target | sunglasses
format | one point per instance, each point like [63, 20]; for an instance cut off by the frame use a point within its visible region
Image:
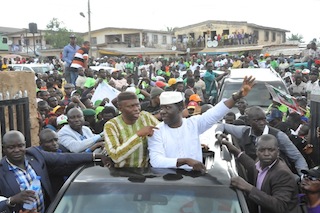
[305, 176]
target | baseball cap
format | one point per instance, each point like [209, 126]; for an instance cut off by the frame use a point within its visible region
[89, 112]
[195, 97]
[275, 113]
[72, 36]
[161, 84]
[192, 105]
[172, 81]
[155, 91]
[62, 119]
[314, 172]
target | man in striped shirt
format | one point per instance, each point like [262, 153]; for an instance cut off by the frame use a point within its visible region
[126, 135]
[80, 59]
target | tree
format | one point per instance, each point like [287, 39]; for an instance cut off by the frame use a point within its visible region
[296, 37]
[57, 35]
[170, 29]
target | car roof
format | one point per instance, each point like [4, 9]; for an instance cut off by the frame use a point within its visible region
[219, 163]
[29, 65]
[261, 74]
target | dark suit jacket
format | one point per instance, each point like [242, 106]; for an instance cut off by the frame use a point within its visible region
[44, 164]
[279, 190]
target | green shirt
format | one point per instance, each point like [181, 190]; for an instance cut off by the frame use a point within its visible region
[122, 143]
[274, 64]
[90, 82]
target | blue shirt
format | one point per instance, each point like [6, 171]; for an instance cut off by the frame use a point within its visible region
[68, 53]
[24, 179]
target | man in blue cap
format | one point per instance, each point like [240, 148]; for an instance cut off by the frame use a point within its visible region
[67, 56]
[274, 117]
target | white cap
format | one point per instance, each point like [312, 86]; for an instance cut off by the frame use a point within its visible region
[305, 71]
[170, 97]
[131, 89]
[261, 54]
[62, 119]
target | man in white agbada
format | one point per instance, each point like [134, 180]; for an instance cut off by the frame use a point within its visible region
[176, 142]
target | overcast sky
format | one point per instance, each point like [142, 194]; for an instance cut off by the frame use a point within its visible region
[296, 16]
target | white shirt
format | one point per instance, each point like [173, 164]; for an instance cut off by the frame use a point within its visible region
[313, 87]
[194, 66]
[75, 142]
[168, 144]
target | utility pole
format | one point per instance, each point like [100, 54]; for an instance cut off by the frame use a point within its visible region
[89, 24]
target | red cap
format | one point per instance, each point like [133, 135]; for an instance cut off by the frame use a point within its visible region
[160, 84]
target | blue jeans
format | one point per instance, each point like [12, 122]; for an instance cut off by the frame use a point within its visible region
[73, 75]
[67, 74]
[310, 62]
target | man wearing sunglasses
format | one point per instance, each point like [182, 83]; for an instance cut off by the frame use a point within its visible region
[310, 185]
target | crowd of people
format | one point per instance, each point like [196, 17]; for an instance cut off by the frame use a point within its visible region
[161, 117]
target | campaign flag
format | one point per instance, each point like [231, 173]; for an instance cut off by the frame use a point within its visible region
[104, 90]
[284, 98]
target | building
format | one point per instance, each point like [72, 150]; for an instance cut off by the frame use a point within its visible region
[208, 37]
[130, 42]
[23, 42]
[204, 36]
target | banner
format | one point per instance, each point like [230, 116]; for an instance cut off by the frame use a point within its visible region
[284, 98]
[104, 90]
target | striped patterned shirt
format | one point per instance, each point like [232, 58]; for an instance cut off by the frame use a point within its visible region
[79, 57]
[122, 143]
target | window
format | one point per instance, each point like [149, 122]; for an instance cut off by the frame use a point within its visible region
[273, 36]
[256, 34]
[284, 37]
[164, 39]
[4, 40]
[155, 39]
[266, 35]
[225, 32]
[93, 40]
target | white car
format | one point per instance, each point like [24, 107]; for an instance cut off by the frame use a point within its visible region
[108, 69]
[36, 68]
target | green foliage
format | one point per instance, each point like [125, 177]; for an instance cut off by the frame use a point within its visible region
[296, 37]
[57, 35]
[170, 29]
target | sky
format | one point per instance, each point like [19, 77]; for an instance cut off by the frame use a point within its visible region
[299, 17]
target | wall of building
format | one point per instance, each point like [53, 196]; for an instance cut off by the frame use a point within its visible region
[22, 80]
[100, 35]
[199, 30]
[160, 44]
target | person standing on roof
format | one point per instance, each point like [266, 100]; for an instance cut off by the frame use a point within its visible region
[67, 55]
[79, 60]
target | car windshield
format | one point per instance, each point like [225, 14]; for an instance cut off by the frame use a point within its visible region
[258, 96]
[134, 198]
[41, 69]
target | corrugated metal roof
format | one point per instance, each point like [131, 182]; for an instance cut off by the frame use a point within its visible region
[137, 51]
[4, 30]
